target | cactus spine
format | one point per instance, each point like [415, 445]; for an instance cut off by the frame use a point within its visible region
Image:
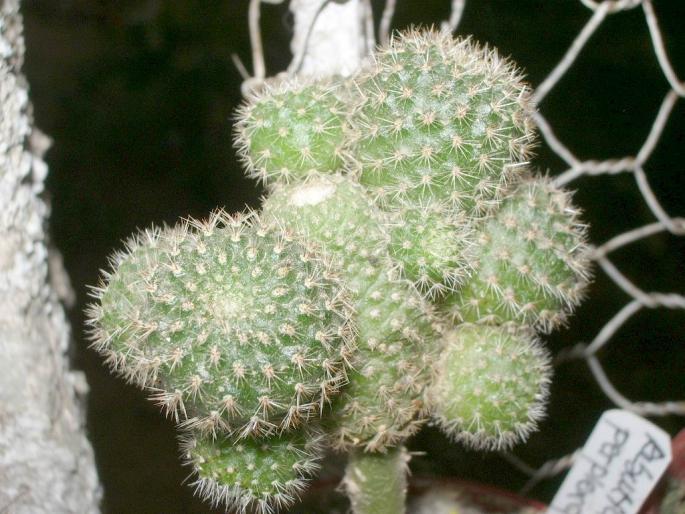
[401, 225]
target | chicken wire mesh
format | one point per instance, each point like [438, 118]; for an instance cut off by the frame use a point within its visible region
[634, 164]
[598, 13]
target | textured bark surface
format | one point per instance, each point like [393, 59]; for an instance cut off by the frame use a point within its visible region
[46, 462]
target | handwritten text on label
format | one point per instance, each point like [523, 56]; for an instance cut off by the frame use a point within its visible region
[617, 469]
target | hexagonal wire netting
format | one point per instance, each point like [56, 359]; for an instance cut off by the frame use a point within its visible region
[600, 13]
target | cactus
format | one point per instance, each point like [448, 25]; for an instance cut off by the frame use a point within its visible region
[234, 326]
[379, 407]
[404, 258]
[491, 385]
[289, 129]
[257, 474]
[440, 119]
[531, 263]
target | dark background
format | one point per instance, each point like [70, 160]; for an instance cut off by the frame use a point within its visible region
[138, 96]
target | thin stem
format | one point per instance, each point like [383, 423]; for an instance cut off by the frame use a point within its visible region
[259, 68]
[386, 21]
[376, 483]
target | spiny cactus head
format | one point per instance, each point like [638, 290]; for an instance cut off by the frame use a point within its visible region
[248, 475]
[335, 212]
[291, 128]
[233, 325]
[491, 385]
[383, 402]
[431, 245]
[531, 261]
[440, 118]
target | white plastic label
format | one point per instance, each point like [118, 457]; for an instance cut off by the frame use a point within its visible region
[618, 467]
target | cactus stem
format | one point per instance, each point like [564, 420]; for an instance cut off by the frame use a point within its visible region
[376, 483]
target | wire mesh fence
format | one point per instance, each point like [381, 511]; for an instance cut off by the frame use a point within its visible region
[600, 13]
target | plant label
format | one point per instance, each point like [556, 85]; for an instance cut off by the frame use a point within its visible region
[617, 468]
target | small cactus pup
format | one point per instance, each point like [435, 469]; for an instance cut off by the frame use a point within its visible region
[431, 245]
[232, 326]
[290, 128]
[531, 261]
[491, 385]
[249, 474]
[440, 118]
[383, 403]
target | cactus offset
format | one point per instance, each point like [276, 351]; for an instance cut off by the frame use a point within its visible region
[289, 129]
[531, 263]
[253, 474]
[491, 385]
[233, 325]
[404, 259]
[440, 118]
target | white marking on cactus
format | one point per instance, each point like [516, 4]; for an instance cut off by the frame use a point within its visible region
[312, 194]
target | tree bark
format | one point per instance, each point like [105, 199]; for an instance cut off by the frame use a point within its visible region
[46, 461]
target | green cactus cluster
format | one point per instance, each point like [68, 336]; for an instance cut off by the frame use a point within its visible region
[403, 261]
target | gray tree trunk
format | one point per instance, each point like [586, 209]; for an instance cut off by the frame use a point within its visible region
[46, 462]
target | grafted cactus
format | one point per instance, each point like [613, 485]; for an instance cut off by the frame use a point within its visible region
[403, 261]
